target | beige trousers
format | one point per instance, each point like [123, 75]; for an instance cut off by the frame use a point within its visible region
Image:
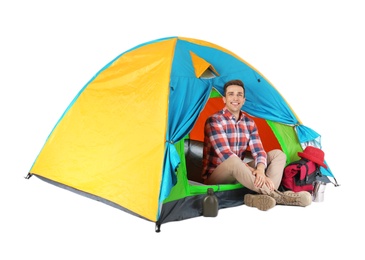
[233, 170]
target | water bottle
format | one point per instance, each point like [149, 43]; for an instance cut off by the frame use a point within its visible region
[210, 204]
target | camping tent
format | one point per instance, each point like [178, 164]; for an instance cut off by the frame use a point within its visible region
[132, 136]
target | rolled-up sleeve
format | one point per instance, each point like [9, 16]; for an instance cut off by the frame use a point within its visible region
[256, 147]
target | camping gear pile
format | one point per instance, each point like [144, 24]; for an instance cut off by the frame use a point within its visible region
[300, 175]
[132, 136]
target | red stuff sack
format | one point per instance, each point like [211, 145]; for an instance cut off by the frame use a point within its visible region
[300, 175]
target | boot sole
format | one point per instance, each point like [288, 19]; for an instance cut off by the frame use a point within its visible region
[262, 202]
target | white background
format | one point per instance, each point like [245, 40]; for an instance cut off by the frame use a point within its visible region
[313, 53]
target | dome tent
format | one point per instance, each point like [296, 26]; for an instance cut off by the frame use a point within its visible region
[126, 137]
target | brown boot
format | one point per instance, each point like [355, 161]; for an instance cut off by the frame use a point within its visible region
[260, 201]
[291, 198]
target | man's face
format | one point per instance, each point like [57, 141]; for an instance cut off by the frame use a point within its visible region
[234, 99]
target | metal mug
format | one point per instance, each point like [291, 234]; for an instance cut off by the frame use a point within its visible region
[318, 191]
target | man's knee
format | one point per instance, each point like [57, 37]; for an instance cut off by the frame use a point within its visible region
[276, 153]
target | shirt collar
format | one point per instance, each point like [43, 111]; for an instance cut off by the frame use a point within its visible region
[228, 114]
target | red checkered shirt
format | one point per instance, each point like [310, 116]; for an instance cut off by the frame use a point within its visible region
[224, 136]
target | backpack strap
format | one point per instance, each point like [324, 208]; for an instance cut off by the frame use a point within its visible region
[309, 177]
[302, 179]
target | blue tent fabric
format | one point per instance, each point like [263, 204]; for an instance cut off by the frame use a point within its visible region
[306, 134]
[188, 95]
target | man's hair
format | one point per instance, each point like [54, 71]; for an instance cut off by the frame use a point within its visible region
[234, 82]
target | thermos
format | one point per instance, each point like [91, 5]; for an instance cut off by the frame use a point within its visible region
[318, 191]
[210, 204]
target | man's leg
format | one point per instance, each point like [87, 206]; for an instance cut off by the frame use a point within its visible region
[234, 170]
[276, 161]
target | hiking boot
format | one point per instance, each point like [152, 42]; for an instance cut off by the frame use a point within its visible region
[260, 201]
[291, 198]
[291, 192]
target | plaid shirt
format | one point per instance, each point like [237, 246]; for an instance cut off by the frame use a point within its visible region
[225, 137]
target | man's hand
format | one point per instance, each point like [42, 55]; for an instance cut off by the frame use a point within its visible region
[260, 179]
[269, 183]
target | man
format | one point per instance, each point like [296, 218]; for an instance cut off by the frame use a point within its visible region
[227, 135]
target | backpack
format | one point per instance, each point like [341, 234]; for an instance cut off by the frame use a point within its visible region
[300, 175]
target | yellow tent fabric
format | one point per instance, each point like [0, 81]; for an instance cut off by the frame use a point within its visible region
[86, 149]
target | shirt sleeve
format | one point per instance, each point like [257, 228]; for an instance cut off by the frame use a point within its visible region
[256, 147]
[218, 139]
